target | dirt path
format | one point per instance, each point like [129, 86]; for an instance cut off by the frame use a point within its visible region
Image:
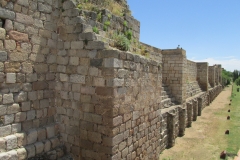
[205, 139]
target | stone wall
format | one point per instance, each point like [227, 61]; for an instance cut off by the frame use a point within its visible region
[65, 91]
[28, 44]
[191, 71]
[174, 73]
[202, 75]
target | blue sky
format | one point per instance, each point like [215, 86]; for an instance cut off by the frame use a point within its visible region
[209, 30]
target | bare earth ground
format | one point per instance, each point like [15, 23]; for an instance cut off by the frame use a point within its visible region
[205, 140]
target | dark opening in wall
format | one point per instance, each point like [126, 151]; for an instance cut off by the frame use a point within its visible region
[2, 22]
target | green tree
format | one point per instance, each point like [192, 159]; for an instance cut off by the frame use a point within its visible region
[226, 77]
[235, 75]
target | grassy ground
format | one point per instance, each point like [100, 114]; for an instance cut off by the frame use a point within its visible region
[206, 139]
[233, 139]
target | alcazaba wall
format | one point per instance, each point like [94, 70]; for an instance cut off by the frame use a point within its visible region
[65, 91]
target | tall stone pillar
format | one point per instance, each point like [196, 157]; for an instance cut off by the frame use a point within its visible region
[202, 75]
[174, 73]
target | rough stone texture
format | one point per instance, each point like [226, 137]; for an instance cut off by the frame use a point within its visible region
[2, 34]
[62, 86]
[18, 36]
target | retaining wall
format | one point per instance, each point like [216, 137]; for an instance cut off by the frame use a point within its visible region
[65, 91]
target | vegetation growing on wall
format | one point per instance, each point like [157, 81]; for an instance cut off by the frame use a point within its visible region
[111, 5]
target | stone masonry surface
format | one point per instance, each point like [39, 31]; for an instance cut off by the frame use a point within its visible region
[66, 93]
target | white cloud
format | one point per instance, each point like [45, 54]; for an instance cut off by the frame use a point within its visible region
[229, 63]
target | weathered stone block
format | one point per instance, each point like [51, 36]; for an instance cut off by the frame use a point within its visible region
[44, 103]
[3, 109]
[98, 82]
[94, 118]
[8, 98]
[41, 134]
[21, 97]
[77, 45]
[39, 85]
[7, 14]
[16, 127]
[11, 142]
[55, 142]
[31, 136]
[95, 137]
[21, 138]
[31, 115]
[8, 25]
[74, 61]
[8, 118]
[10, 44]
[75, 78]
[14, 108]
[30, 151]
[96, 45]
[104, 91]
[18, 36]
[32, 95]
[25, 19]
[2, 144]
[22, 153]
[25, 106]
[23, 2]
[12, 67]
[11, 78]
[115, 82]
[2, 33]
[39, 146]
[47, 145]
[17, 56]
[4, 155]
[50, 131]
[113, 63]
[41, 68]
[20, 116]
[1, 67]
[44, 8]
[3, 56]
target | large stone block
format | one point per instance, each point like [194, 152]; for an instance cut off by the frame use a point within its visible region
[77, 45]
[75, 78]
[14, 108]
[10, 44]
[12, 67]
[2, 33]
[9, 118]
[96, 45]
[5, 130]
[50, 131]
[3, 56]
[7, 14]
[31, 136]
[39, 146]
[4, 156]
[18, 36]
[8, 98]
[20, 116]
[17, 56]
[25, 19]
[2, 145]
[44, 8]
[22, 154]
[11, 78]
[11, 142]
[30, 151]
[3, 110]
[113, 63]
